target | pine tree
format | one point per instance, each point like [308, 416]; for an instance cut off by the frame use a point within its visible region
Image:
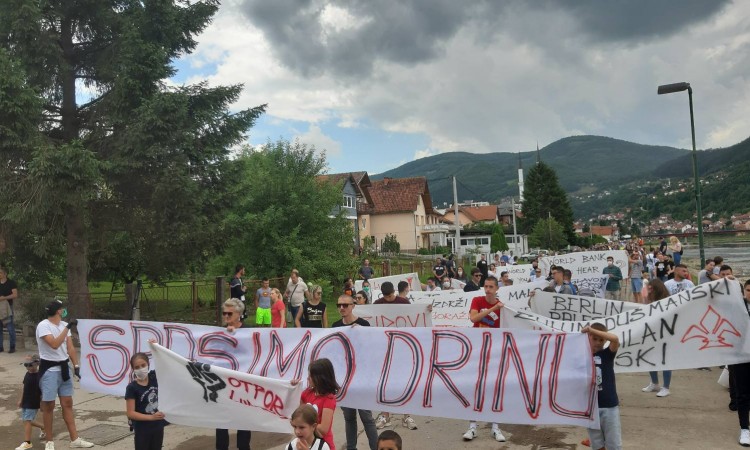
[116, 154]
[544, 198]
[498, 243]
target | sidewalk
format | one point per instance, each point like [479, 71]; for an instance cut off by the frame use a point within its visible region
[695, 416]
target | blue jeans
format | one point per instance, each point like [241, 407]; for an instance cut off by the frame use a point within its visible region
[666, 374]
[11, 332]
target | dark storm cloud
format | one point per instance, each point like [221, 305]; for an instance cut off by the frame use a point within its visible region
[613, 20]
[409, 32]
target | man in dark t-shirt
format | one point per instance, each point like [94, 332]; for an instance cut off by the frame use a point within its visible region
[483, 267]
[346, 308]
[389, 296]
[8, 293]
[473, 284]
[438, 270]
[365, 272]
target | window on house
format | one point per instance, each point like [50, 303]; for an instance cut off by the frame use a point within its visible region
[349, 201]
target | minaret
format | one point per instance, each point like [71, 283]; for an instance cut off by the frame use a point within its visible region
[538, 155]
[520, 179]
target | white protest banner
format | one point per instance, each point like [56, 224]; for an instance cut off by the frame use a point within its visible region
[451, 308]
[586, 263]
[519, 273]
[595, 283]
[573, 308]
[493, 375]
[200, 395]
[705, 326]
[398, 316]
[457, 284]
[411, 278]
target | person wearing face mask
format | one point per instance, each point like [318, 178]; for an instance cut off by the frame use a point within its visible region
[446, 283]
[613, 281]
[142, 405]
[56, 351]
[367, 291]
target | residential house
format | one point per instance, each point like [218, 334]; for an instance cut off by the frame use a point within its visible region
[355, 193]
[468, 215]
[402, 207]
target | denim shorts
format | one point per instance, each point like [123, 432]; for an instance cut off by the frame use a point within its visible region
[28, 414]
[636, 284]
[52, 385]
[610, 434]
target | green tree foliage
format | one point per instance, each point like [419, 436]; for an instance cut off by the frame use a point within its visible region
[498, 242]
[391, 244]
[101, 150]
[548, 233]
[282, 216]
[544, 198]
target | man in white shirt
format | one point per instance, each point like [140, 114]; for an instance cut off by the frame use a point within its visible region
[681, 281]
[56, 351]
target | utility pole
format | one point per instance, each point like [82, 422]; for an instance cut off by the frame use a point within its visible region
[515, 230]
[456, 222]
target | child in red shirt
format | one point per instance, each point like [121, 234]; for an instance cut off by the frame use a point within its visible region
[321, 394]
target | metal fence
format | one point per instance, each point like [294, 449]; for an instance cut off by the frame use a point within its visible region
[189, 301]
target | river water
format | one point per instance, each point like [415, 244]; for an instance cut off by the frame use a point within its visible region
[737, 256]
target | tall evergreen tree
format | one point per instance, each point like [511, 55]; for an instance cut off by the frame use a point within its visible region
[543, 197]
[107, 154]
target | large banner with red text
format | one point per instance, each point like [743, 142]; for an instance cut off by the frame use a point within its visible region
[494, 375]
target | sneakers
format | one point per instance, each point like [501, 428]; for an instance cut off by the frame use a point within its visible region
[24, 445]
[498, 435]
[651, 388]
[409, 423]
[49, 445]
[663, 392]
[80, 443]
[382, 422]
[470, 434]
[744, 438]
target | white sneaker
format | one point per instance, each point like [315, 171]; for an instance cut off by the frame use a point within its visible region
[381, 422]
[744, 438]
[80, 443]
[470, 434]
[651, 388]
[663, 392]
[498, 435]
[24, 445]
[409, 423]
[49, 445]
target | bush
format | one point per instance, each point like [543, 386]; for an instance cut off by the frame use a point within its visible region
[30, 306]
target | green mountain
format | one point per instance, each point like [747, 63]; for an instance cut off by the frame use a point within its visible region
[601, 175]
[583, 164]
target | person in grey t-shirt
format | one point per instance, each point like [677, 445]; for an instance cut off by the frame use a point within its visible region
[636, 275]
[707, 274]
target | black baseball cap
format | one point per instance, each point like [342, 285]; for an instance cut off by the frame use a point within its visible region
[53, 307]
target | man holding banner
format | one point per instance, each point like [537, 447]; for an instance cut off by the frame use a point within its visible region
[346, 309]
[485, 313]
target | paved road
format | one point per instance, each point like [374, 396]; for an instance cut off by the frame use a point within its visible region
[695, 416]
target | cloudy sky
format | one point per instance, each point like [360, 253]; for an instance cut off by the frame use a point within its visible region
[380, 83]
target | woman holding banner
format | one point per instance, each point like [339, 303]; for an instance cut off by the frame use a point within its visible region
[657, 291]
[232, 315]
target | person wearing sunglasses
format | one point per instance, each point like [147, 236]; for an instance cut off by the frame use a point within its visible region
[30, 401]
[231, 314]
[360, 298]
[474, 281]
[346, 305]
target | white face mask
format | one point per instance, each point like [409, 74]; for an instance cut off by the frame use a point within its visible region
[447, 284]
[141, 374]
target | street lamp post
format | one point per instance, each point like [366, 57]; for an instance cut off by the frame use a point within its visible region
[679, 87]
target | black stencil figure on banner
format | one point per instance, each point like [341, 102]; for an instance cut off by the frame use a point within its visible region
[210, 382]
